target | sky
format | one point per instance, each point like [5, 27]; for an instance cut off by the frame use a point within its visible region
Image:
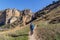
[34, 5]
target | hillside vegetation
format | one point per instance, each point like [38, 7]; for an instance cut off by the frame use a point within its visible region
[48, 23]
[51, 13]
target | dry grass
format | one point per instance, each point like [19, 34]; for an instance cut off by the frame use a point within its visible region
[47, 31]
[18, 33]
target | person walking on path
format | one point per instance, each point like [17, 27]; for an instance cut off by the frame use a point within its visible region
[31, 28]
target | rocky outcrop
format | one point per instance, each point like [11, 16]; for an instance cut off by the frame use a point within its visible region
[12, 15]
[8, 15]
[55, 20]
[27, 14]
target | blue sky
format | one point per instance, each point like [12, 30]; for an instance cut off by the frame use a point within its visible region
[34, 5]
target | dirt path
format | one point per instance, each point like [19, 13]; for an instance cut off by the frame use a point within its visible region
[31, 37]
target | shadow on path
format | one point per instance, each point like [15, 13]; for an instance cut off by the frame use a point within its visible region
[19, 35]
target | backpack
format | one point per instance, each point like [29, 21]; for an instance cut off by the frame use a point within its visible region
[31, 26]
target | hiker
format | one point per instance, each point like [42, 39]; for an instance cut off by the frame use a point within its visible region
[31, 28]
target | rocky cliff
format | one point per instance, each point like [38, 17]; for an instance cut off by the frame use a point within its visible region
[9, 16]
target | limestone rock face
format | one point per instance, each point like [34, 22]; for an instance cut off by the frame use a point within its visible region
[13, 20]
[12, 15]
[27, 14]
[15, 13]
[8, 13]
